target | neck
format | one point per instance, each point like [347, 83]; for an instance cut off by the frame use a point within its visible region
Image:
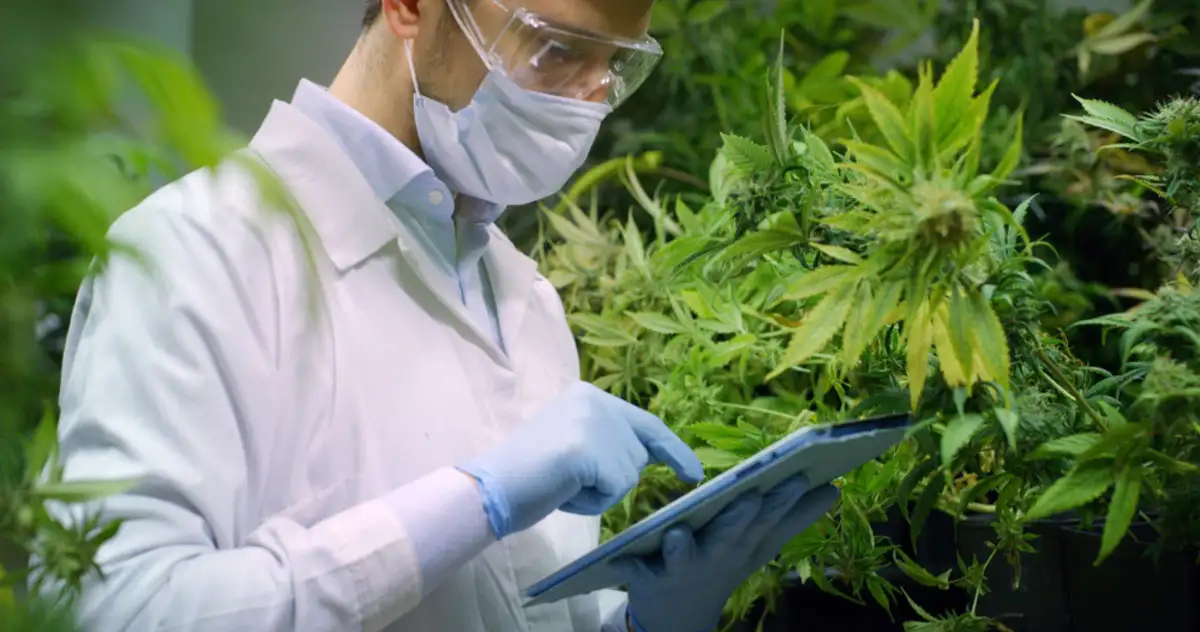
[377, 83]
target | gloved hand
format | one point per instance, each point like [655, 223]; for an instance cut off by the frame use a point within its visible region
[582, 453]
[686, 588]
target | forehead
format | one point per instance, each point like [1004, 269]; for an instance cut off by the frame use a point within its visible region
[622, 18]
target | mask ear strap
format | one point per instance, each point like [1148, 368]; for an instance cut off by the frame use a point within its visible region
[412, 68]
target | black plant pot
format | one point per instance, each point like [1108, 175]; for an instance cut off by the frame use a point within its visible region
[1130, 590]
[1038, 601]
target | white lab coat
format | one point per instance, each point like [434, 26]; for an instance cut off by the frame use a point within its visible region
[269, 406]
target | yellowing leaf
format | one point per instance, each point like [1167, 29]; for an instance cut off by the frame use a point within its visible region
[958, 319]
[817, 329]
[989, 337]
[888, 119]
[952, 97]
[1121, 510]
[819, 281]
[952, 369]
[1083, 484]
[918, 330]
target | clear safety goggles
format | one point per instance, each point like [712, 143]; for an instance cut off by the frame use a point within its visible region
[552, 58]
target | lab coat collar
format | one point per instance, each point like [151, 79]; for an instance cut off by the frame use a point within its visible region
[352, 223]
[350, 220]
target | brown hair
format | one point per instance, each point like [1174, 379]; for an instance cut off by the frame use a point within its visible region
[373, 10]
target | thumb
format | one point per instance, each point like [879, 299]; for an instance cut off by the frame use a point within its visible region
[630, 570]
[663, 445]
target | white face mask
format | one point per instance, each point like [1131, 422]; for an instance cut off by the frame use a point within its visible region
[510, 145]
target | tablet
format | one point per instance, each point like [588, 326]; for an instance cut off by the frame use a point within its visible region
[820, 452]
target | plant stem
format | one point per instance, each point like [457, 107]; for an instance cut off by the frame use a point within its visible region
[1067, 385]
[981, 508]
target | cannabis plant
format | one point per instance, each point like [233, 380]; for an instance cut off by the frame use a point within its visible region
[1146, 446]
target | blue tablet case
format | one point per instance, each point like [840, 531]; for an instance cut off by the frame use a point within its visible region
[820, 452]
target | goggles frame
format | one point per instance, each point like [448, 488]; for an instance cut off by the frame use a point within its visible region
[646, 46]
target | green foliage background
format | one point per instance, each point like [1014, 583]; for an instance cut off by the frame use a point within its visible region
[815, 210]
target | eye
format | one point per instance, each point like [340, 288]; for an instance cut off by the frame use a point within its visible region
[553, 55]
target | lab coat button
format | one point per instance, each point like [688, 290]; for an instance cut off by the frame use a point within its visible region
[436, 197]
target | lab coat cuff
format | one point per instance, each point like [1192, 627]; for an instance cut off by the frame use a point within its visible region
[379, 555]
[443, 515]
[613, 607]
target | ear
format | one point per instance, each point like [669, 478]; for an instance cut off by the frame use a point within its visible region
[402, 17]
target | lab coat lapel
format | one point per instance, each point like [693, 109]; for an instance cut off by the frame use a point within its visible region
[512, 275]
[416, 253]
[351, 222]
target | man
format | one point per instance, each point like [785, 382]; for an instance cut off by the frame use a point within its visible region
[372, 418]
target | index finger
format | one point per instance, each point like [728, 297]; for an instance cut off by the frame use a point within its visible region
[663, 445]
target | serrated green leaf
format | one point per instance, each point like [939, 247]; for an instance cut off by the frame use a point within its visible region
[745, 155]
[1121, 510]
[1012, 156]
[924, 505]
[1113, 416]
[828, 68]
[888, 119]
[818, 327]
[635, 248]
[923, 120]
[1083, 484]
[720, 436]
[657, 323]
[990, 339]
[717, 459]
[968, 130]
[819, 281]
[958, 433]
[602, 329]
[778, 138]
[1107, 116]
[1009, 421]
[878, 159]
[874, 307]
[820, 159]
[952, 96]
[918, 573]
[838, 253]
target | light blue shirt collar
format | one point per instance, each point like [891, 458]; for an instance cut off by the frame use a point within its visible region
[397, 175]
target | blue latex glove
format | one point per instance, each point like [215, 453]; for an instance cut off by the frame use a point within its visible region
[685, 589]
[582, 453]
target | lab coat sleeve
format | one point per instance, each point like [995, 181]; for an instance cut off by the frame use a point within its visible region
[169, 375]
